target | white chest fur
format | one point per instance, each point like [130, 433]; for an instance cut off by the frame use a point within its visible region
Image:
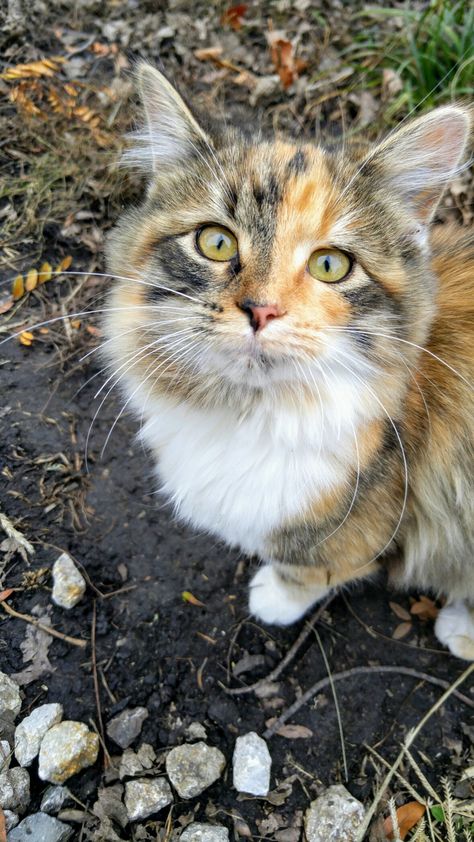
[242, 477]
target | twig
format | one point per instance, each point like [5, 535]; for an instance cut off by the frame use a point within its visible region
[336, 705]
[350, 673]
[24, 546]
[275, 673]
[96, 684]
[74, 641]
[409, 739]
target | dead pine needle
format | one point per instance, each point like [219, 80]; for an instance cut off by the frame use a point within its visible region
[95, 679]
[27, 618]
[336, 704]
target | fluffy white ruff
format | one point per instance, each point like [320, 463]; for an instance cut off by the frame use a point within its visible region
[276, 603]
[455, 629]
[243, 475]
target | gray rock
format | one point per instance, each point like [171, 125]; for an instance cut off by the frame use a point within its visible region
[204, 833]
[11, 819]
[5, 755]
[15, 790]
[335, 816]
[252, 765]
[146, 796]
[10, 698]
[40, 828]
[69, 584]
[126, 726]
[31, 730]
[195, 731]
[192, 768]
[54, 799]
[109, 805]
[135, 763]
[66, 749]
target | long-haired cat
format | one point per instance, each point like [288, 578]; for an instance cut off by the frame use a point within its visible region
[298, 343]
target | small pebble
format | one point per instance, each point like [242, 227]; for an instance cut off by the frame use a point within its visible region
[126, 726]
[54, 799]
[204, 833]
[15, 790]
[5, 755]
[66, 749]
[40, 828]
[69, 584]
[335, 816]
[31, 730]
[195, 731]
[10, 699]
[11, 819]
[192, 768]
[252, 765]
[135, 763]
[146, 796]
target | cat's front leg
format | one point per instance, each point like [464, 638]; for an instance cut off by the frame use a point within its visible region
[454, 628]
[278, 598]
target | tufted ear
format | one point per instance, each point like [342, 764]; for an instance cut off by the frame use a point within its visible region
[170, 133]
[419, 159]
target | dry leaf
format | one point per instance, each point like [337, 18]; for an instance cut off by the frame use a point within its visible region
[400, 611]
[26, 338]
[94, 331]
[34, 69]
[65, 263]
[234, 16]
[31, 280]
[208, 53]
[286, 65]
[425, 608]
[294, 732]
[35, 648]
[187, 596]
[401, 631]
[6, 305]
[45, 273]
[407, 816]
[5, 594]
[18, 287]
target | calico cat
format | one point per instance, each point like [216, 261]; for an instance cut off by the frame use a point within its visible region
[298, 342]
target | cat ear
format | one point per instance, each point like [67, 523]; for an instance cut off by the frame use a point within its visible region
[422, 157]
[171, 133]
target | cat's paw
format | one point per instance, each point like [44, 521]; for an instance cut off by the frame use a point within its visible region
[454, 628]
[276, 603]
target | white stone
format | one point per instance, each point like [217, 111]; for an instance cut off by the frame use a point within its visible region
[204, 833]
[146, 796]
[40, 827]
[69, 584]
[252, 765]
[126, 726]
[31, 730]
[192, 768]
[10, 698]
[66, 749]
[15, 790]
[11, 819]
[335, 816]
[5, 755]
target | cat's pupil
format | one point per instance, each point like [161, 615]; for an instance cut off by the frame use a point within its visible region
[327, 264]
[220, 242]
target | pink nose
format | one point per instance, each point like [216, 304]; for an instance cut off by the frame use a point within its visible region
[260, 314]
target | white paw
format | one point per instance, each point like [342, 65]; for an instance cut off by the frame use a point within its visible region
[455, 628]
[276, 603]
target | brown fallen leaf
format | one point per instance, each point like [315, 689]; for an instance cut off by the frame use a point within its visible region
[234, 16]
[400, 611]
[3, 828]
[401, 631]
[31, 280]
[282, 54]
[26, 338]
[6, 593]
[18, 287]
[187, 596]
[291, 731]
[407, 817]
[45, 273]
[425, 608]
[7, 304]
[208, 53]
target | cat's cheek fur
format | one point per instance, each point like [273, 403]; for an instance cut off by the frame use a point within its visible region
[277, 602]
[455, 629]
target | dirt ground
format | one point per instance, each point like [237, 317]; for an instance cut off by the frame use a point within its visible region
[152, 647]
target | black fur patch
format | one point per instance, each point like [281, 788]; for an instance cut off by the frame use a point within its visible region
[298, 164]
[181, 271]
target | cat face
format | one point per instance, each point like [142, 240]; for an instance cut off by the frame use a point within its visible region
[255, 264]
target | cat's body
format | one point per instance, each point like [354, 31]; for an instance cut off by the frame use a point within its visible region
[318, 424]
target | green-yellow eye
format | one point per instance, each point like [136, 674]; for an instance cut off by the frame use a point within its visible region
[329, 265]
[216, 243]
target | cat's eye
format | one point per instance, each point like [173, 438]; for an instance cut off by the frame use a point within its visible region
[216, 243]
[329, 265]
